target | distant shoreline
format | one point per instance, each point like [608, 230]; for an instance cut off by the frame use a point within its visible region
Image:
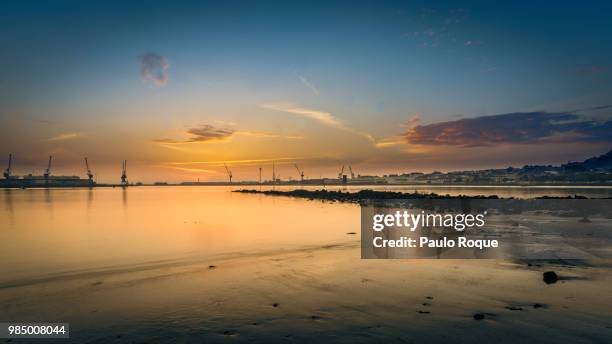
[366, 195]
[517, 186]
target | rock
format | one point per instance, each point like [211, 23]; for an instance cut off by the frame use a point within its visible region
[212, 267]
[514, 308]
[275, 305]
[423, 312]
[479, 316]
[550, 277]
[538, 305]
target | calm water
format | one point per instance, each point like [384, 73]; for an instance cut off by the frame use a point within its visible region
[47, 232]
[153, 264]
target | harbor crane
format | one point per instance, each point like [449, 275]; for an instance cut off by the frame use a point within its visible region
[124, 180]
[229, 173]
[301, 173]
[273, 173]
[7, 173]
[352, 174]
[48, 170]
[342, 176]
[89, 174]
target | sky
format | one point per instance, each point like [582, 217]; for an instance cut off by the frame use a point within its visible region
[181, 88]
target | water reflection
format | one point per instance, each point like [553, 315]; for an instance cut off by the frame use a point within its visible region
[90, 196]
[8, 204]
[63, 229]
[48, 196]
[124, 197]
[164, 223]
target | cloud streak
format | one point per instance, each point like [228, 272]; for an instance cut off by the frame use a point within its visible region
[192, 170]
[322, 117]
[246, 162]
[512, 128]
[154, 68]
[65, 137]
[309, 85]
[267, 135]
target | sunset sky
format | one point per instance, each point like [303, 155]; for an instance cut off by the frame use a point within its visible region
[180, 89]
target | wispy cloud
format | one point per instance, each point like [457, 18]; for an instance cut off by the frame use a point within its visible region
[190, 169]
[225, 123]
[309, 85]
[154, 68]
[247, 162]
[263, 134]
[294, 137]
[391, 141]
[204, 133]
[412, 122]
[396, 140]
[322, 117]
[325, 118]
[473, 42]
[66, 136]
[260, 134]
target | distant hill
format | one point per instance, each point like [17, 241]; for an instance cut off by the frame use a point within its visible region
[602, 162]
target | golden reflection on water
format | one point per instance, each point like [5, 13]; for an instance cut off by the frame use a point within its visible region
[57, 230]
[46, 231]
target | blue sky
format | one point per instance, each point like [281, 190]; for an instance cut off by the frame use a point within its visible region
[372, 66]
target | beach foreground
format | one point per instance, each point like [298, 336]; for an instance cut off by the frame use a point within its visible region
[325, 293]
[293, 290]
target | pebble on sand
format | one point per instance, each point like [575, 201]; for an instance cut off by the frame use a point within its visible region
[275, 305]
[550, 277]
[514, 308]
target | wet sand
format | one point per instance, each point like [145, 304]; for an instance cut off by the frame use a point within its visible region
[326, 293]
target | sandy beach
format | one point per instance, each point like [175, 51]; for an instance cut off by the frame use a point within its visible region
[325, 293]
